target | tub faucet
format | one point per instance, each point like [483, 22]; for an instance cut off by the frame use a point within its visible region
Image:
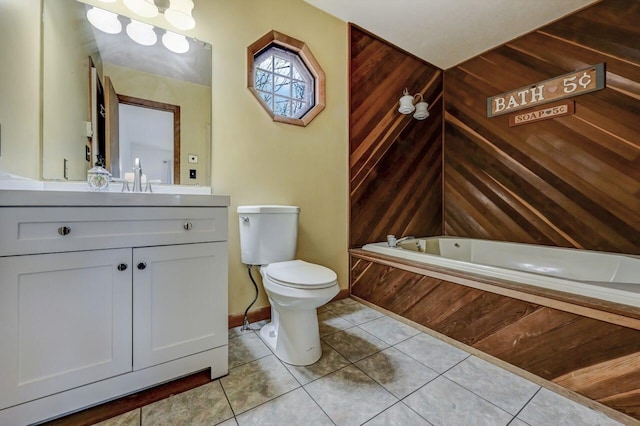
[393, 242]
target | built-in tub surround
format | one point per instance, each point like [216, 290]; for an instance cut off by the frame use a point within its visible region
[605, 276]
[586, 345]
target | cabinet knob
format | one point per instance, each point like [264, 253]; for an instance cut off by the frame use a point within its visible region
[142, 265]
[64, 230]
[122, 267]
[187, 226]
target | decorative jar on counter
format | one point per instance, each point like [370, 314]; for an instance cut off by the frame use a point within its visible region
[98, 177]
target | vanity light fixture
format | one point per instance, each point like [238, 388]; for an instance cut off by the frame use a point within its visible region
[144, 8]
[407, 105]
[176, 43]
[176, 12]
[141, 33]
[179, 14]
[104, 20]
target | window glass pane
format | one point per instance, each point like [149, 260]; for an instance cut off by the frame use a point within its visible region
[298, 108]
[264, 81]
[267, 64]
[268, 99]
[281, 86]
[284, 82]
[295, 74]
[299, 90]
[282, 66]
[281, 106]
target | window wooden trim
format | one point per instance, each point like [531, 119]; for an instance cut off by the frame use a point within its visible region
[299, 47]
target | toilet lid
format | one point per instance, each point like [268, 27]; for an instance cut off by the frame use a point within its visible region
[301, 274]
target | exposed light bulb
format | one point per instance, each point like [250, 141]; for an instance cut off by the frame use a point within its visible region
[141, 33]
[145, 8]
[179, 14]
[175, 42]
[104, 20]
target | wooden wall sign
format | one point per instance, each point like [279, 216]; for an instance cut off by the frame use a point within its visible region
[575, 83]
[564, 108]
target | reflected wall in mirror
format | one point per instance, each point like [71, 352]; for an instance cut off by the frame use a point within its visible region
[92, 81]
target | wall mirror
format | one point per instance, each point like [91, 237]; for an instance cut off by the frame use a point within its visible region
[105, 95]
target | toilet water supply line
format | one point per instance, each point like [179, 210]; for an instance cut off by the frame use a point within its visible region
[245, 323]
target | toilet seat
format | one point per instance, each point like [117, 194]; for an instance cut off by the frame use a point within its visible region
[300, 274]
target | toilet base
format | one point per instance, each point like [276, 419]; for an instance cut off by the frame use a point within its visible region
[293, 335]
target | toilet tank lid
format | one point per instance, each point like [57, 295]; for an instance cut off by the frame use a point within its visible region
[268, 209]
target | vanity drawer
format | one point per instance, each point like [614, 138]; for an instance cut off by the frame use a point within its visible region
[28, 230]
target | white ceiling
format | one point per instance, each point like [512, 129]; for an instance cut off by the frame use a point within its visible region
[448, 32]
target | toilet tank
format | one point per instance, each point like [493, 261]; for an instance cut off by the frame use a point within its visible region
[268, 234]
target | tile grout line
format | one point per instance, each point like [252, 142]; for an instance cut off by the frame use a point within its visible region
[316, 402]
[481, 397]
[527, 403]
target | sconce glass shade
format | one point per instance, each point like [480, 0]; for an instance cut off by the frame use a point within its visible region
[175, 42]
[145, 8]
[104, 20]
[422, 110]
[179, 14]
[406, 105]
[141, 33]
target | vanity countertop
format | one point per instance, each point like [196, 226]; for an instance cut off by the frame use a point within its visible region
[17, 198]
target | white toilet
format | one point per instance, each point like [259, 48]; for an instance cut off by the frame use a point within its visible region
[268, 236]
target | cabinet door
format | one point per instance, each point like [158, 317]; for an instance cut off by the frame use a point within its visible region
[65, 320]
[180, 301]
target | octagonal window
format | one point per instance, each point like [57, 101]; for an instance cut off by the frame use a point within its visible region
[286, 79]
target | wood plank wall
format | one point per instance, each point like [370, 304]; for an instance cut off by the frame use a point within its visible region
[395, 161]
[572, 181]
[594, 358]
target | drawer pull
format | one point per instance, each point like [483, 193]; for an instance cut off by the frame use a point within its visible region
[142, 265]
[187, 226]
[64, 230]
[122, 267]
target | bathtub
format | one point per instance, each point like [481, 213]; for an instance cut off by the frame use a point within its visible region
[600, 275]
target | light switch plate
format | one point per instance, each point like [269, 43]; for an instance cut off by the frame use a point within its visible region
[193, 159]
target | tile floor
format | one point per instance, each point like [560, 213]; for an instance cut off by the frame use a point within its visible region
[374, 371]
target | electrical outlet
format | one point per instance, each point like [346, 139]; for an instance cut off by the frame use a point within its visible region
[193, 159]
[192, 173]
[66, 169]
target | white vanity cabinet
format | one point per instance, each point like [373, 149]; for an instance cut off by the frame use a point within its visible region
[65, 320]
[97, 302]
[176, 312]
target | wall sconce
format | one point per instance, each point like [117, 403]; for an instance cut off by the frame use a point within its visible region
[407, 105]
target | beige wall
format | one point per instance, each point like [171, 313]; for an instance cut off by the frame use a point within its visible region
[258, 161]
[254, 160]
[195, 112]
[20, 87]
[65, 93]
